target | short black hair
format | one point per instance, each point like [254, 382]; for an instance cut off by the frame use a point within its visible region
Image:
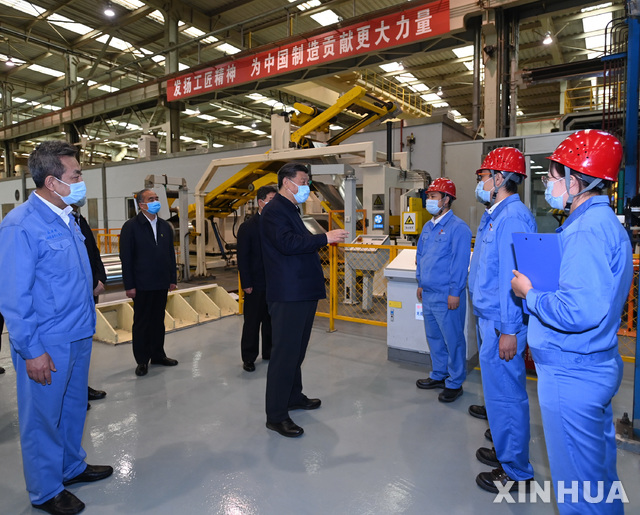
[140, 193]
[290, 170]
[263, 191]
[45, 160]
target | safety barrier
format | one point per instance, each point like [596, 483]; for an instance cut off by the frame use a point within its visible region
[108, 242]
[185, 308]
[629, 323]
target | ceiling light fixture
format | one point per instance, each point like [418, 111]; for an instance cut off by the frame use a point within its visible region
[108, 11]
[439, 92]
[547, 39]
[253, 125]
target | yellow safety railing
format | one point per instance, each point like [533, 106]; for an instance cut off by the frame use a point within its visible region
[336, 220]
[629, 323]
[109, 243]
[592, 98]
[409, 100]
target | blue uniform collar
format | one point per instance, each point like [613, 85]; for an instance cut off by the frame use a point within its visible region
[503, 204]
[593, 201]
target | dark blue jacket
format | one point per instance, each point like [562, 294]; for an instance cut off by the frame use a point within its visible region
[250, 263]
[290, 254]
[147, 265]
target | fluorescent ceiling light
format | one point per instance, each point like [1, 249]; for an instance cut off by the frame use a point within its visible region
[520, 113]
[455, 113]
[335, 127]
[256, 96]
[183, 67]
[207, 117]
[419, 87]
[217, 145]
[190, 112]
[228, 49]
[325, 18]
[200, 141]
[186, 138]
[596, 7]
[45, 70]
[438, 105]
[108, 89]
[225, 122]
[405, 77]
[597, 22]
[537, 167]
[594, 42]
[14, 61]
[464, 51]
[307, 5]
[469, 65]
[392, 67]
[430, 97]
[242, 127]
[194, 33]
[258, 132]
[462, 120]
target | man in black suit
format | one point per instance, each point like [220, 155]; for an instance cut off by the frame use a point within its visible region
[149, 273]
[254, 285]
[97, 272]
[295, 283]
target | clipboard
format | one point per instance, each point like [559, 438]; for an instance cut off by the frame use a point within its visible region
[538, 256]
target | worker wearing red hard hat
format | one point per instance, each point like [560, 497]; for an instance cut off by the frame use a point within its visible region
[442, 261]
[573, 330]
[501, 330]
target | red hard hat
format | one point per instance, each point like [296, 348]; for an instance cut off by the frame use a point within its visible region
[443, 185]
[591, 152]
[504, 159]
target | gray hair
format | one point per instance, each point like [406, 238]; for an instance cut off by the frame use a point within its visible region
[140, 193]
[45, 160]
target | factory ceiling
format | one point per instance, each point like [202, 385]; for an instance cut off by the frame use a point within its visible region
[47, 46]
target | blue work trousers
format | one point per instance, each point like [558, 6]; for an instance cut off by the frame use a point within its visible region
[52, 419]
[444, 328]
[506, 400]
[575, 401]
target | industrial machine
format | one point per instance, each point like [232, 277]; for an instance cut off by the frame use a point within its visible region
[366, 260]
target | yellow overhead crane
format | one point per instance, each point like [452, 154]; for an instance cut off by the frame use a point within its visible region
[242, 187]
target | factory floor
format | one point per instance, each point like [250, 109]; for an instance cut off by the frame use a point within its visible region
[192, 440]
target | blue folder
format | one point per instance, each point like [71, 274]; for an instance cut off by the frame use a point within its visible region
[538, 257]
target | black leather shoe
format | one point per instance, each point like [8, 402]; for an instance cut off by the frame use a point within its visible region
[88, 406]
[429, 384]
[91, 473]
[266, 358]
[95, 395]
[478, 411]
[487, 480]
[487, 435]
[308, 404]
[286, 428]
[450, 394]
[142, 369]
[248, 366]
[65, 503]
[166, 362]
[1, 370]
[487, 456]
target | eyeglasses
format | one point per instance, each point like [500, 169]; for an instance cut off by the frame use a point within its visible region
[548, 179]
[482, 175]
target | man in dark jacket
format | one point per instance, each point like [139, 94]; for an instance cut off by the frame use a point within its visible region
[254, 285]
[97, 272]
[295, 283]
[149, 273]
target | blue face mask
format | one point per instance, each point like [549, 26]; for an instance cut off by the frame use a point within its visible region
[153, 207]
[302, 194]
[77, 194]
[432, 206]
[482, 196]
[554, 202]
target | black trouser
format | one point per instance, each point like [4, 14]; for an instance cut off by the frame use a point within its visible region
[148, 325]
[292, 323]
[256, 314]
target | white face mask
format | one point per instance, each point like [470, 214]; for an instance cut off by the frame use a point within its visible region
[433, 207]
[554, 202]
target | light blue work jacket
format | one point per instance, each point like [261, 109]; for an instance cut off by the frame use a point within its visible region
[596, 270]
[47, 288]
[443, 258]
[492, 263]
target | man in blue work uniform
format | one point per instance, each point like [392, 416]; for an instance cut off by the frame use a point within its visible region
[295, 283]
[48, 308]
[442, 261]
[573, 330]
[501, 329]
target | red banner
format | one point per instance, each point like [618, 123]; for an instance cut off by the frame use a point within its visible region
[388, 31]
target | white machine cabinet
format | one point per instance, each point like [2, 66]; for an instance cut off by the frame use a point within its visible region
[368, 261]
[406, 339]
